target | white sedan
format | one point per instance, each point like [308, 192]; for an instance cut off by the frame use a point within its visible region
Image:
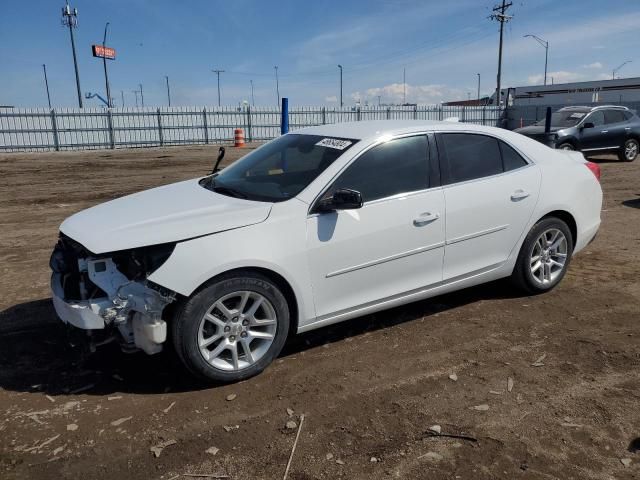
[319, 226]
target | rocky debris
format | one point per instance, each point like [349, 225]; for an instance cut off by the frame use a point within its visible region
[114, 397]
[157, 449]
[231, 397]
[43, 444]
[212, 450]
[437, 429]
[432, 456]
[166, 410]
[453, 377]
[509, 384]
[496, 392]
[50, 398]
[329, 456]
[626, 462]
[538, 362]
[228, 428]
[481, 408]
[120, 421]
[57, 451]
[290, 411]
[290, 425]
[72, 427]
[373, 460]
[340, 462]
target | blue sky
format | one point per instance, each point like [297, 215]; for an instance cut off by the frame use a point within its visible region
[442, 45]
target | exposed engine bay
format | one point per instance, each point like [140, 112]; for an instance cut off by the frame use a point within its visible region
[110, 293]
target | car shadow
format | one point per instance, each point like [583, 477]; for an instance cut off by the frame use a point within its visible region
[35, 355]
[633, 203]
[602, 158]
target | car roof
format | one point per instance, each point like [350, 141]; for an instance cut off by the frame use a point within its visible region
[377, 128]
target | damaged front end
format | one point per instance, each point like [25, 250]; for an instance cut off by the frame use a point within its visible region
[109, 293]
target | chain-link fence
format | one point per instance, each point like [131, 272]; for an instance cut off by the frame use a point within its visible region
[78, 129]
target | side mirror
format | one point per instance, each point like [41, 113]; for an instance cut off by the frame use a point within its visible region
[588, 125]
[342, 199]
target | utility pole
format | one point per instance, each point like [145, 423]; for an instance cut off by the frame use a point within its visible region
[404, 86]
[253, 100]
[277, 85]
[46, 84]
[122, 97]
[218, 72]
[478, 88]
[340, 67]
[104, 62]
[545, 44]
[70, 19]
[501, 16]
[613, 76]
[136, 92]
[166, 78]
[141, 95]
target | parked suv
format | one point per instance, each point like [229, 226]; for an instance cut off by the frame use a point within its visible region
[601, 129]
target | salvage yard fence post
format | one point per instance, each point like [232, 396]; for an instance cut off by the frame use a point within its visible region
[205, 126]
[54, 130]
[112, 143]
[159, 118]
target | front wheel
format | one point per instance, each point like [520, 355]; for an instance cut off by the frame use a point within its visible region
[232, 329]
[630, 150]
[544, 256]
[566, 146]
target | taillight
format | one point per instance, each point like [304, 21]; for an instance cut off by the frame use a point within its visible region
[595, 169]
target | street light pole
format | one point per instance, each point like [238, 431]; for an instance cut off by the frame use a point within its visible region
[70, 19]
[613, 76]
[141, 95]
[340, 67]
[46, 84]
[122, 97]
[545, 44]
[166, 77]
[478, 88]
[104, 62]
[277, 85]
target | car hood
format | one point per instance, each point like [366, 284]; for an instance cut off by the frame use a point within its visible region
[171, 213]
[534, 130]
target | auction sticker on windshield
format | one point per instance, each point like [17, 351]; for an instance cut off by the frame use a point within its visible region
[334, 143]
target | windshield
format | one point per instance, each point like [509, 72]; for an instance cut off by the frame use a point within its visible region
[280, 169]
[564, 119]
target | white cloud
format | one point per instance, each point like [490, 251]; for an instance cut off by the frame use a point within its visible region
[421, 94]
[595, 65]
[558, 77]
[331, 99]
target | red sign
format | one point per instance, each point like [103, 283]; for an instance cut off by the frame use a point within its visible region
[103, 52]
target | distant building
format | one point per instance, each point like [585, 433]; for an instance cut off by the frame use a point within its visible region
[623, 90]
[467, 103]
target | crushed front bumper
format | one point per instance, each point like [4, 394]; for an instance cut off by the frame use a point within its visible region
[130, 309]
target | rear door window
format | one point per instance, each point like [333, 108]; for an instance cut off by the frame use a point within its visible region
[613, 116]
[470, 156]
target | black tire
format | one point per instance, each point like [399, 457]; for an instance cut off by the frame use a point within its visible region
[185, 326]
[566, 146]
[522, 276]
[629, 151]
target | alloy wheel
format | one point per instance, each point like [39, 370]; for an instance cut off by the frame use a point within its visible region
[631, 150]
[237, 330]
[548, 256]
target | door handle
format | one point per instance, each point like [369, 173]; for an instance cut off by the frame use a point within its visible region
[627, 128]
[425, 218]
[604, 131]
[519, 195]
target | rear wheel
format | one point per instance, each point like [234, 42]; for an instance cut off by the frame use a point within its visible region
[232, 329]
[544, 257]
[629, 150]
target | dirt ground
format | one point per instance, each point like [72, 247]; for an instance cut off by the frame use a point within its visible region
[369, 388]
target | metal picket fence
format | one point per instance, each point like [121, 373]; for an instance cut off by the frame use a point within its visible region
[78, 129]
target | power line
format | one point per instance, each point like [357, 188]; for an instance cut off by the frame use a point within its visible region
[500, 14]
